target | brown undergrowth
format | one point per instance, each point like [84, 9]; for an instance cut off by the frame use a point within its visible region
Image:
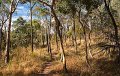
[25, 63]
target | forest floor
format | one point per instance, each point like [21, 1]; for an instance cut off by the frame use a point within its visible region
[38, 63]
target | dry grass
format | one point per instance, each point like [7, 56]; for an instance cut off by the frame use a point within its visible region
[23, 62]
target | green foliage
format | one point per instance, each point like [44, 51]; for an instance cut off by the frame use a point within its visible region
[71, 6]
[40, 10]
[67, 6]
[63, 7]
[21, 35]
[24, 1]
[19, 22]
[90, 4]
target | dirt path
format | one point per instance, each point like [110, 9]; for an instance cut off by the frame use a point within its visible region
[46, 67]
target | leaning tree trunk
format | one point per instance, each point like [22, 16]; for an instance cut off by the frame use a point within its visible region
[114, 23]
[115, 27]
[58, 30]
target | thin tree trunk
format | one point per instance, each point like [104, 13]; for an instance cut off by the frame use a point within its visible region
[89, 44]
[31, 26]
[8, 40]
[1, 42]
[56, 37]
[115, 29]
[1, 27]
[49, 42]
[114, 23]
[85, 38]
[43, 40]
[72, 39]
[86, 47]
[47, 38]
[65, 37]
[74, 34]
[59, 28]
[12, 10]
[41, 37]
[80, 39]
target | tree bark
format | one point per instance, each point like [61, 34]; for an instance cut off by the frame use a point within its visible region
[12, 10]
[115, 29]
[8, 40]
[31, 26]
[0, 41]
[85, 39]
[74, 34]
[1, 27]
[56, 38]
[89, 44]
[58, 30]
[113, 21]
[48, 40]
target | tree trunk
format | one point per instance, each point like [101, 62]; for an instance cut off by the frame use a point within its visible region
[48, 41]
[114, 23]
[56, 37]
[74, 34]
[43, 40]
[8, 40]
[1, 27]
[65, 37]
[47, 38]
[72, 39]
[58, 30]
[86, 47]
[115, 29]
[31, 26]
[80, 39]
[89, 44]
[0, 41]
[85, 39]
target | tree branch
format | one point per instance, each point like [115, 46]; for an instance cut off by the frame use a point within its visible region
[15, 6]
[44, 3]
[107, 3]
[53, 2]
[33, 5]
